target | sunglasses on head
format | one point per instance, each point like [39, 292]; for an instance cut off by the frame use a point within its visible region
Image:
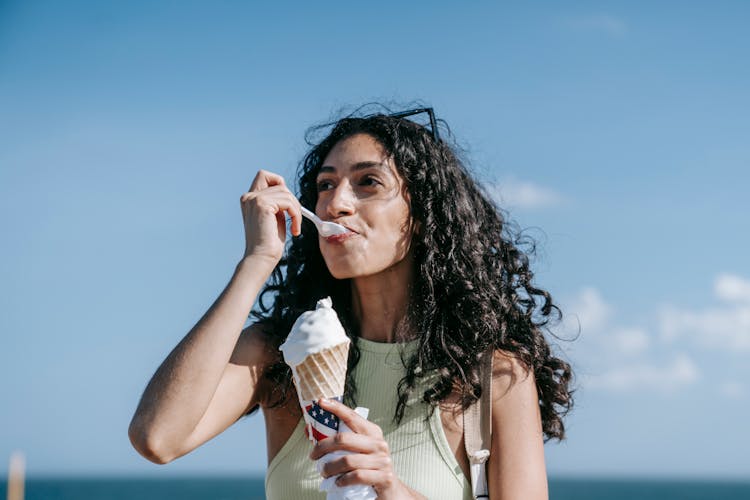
[417, 111]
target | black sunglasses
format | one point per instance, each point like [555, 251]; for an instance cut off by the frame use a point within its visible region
[417, 111]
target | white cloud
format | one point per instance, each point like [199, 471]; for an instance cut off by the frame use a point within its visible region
[722, 327]
[589, 310]
[732, 288]
[613, 356]
[680, 372]
[601, 23]
[631, 340]
[512, 193]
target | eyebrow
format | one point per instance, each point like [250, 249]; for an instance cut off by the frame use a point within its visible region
[357, 166]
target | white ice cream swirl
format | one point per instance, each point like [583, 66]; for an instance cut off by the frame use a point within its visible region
[312, 332]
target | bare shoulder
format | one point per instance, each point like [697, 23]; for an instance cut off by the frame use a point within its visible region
[509, 373]
[255, 347]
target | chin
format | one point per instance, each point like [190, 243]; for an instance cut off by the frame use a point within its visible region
[344, 272]
[347, 268]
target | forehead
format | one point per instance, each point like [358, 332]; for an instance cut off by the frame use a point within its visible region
[356, 150]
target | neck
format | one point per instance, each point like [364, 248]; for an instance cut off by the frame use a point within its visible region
[380, 302]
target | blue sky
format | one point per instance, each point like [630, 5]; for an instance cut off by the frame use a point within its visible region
[616, 132]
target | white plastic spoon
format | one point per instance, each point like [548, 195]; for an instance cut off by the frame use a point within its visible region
[325, 229]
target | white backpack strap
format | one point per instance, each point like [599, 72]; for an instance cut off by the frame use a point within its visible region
[478, 430]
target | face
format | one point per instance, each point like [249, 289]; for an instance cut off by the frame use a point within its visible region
[360, 188]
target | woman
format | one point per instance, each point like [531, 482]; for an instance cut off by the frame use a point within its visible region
[427, 281]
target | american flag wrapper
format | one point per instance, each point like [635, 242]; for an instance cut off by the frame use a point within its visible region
[320, 423]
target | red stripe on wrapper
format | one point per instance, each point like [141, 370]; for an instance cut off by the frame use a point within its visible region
[317, 435]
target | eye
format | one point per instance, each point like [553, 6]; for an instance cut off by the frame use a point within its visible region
[369, 180]
[324, 185]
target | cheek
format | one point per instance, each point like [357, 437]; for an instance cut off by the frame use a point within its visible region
[319, 208]
[394, 233]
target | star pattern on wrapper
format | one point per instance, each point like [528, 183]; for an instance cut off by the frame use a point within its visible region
[322, 423]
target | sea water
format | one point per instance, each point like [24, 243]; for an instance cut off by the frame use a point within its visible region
[252, 489]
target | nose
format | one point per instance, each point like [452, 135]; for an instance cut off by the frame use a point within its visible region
[341, 201]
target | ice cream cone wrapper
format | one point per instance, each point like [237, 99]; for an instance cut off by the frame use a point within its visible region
[321, 375]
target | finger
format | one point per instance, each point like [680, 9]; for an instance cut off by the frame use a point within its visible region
[349, 441]
[296, 216]
[281, 225]
[291, 207]
[266, 193]
[370, 477]
[350, 417]
[355, 461]
[264, 179]
[273, 200]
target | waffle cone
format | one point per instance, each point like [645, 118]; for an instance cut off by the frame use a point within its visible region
[322, 374]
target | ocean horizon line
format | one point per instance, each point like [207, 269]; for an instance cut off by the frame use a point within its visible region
[195, 475]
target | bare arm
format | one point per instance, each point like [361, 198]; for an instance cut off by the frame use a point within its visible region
[516, 467]
[213, 368]
[210, 379]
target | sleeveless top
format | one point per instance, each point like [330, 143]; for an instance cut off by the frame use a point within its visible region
[421, 456]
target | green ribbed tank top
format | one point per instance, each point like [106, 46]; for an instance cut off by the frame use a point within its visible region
[421, 456]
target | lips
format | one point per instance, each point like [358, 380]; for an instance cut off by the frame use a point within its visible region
[345, 225]
[339, 238]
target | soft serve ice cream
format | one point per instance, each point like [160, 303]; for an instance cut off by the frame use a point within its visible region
[313, 332]
[317, 350]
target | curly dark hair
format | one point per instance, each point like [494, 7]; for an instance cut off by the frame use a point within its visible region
[473, 288]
